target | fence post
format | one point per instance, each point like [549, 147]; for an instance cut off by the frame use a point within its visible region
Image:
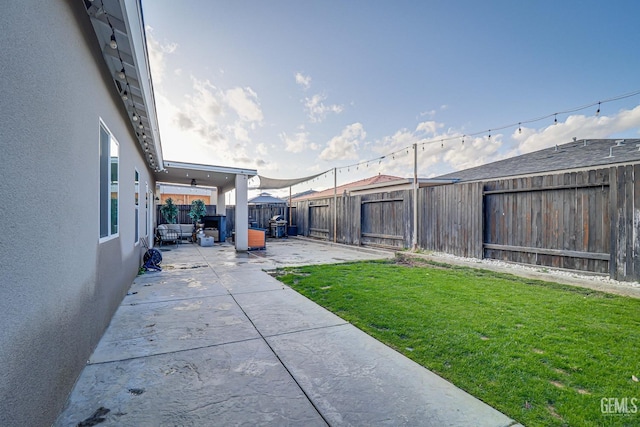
[335, 205]
[414, 240]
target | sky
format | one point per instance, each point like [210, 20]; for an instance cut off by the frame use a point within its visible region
[295, 88]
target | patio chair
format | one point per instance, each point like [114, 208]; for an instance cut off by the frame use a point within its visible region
[166, 235]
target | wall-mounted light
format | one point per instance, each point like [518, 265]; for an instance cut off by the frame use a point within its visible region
[112, 42]
[193, 182]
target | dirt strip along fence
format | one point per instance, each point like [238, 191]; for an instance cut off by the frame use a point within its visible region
[583, 220]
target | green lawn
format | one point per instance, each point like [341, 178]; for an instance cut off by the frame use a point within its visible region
[542, 353]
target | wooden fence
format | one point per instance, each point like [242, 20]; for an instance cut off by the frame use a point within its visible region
[258, 214]
[183, 214]
[585, 220]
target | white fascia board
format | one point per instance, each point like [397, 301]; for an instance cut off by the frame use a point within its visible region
[211, 168]
[132, 13]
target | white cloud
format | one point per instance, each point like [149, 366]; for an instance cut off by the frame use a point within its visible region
[429, 127]
[304, 81]
[579, 126]
[345, 146]
[261, 149]
[317, 110]
[245, 103]
[298, 142]
[156, 52]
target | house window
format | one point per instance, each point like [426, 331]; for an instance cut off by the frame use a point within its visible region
[109, 190]
[137, 205]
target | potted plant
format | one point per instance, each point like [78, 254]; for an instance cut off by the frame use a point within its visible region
[169, 211]
[198, 210]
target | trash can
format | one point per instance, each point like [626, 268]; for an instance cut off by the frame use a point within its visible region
[293, 230]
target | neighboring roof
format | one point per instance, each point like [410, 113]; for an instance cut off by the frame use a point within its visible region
[266, 198]
[119, 28]
[377, 179]
[573, 155]
[303, 193]
[400, 184]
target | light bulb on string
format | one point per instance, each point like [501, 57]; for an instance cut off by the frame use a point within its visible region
[598, 110]
[555, 119]
[519, 127]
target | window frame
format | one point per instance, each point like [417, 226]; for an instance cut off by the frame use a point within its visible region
[111, 183]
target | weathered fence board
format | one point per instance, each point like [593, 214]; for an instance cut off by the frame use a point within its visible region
[183, 214]
[583, 220]
[450, 219]
[384, 218]
[568, 228]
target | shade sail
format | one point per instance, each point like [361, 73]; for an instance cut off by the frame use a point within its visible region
[276, 184]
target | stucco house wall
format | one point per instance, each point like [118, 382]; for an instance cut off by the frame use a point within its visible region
[59, 284]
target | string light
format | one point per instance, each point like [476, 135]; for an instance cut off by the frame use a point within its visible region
[534, 120]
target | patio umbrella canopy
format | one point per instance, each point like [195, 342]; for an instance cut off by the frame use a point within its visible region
[266, 198]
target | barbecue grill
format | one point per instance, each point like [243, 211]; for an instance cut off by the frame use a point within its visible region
[277, 226]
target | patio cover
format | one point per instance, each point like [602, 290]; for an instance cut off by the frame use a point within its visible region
[222, 178]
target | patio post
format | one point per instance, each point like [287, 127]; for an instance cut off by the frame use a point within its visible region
[221, 205]
[242, 213]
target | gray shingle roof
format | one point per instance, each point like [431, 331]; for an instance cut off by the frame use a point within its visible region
[573, 155]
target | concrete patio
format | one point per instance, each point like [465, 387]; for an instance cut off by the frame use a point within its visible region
[214, 340]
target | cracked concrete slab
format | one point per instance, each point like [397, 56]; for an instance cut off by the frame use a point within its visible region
[368, 383]
[164, 327]
[285, 311]
[214, 340]
[231, 384]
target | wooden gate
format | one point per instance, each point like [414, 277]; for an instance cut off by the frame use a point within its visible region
[559, 221]
[383, 221]
[320, 220]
